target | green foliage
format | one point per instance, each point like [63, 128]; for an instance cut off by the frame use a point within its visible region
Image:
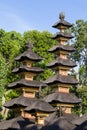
[45, 75]
[3, 74]
[80, 34]
[44, 92]
[80, 56]
[82, 94]
[82, 75]
[11, 114]
[11, 94]
[10, 46]
[80, 43]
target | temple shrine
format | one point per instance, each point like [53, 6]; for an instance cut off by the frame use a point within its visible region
[32, 112]
[62, 81]
[29, 89]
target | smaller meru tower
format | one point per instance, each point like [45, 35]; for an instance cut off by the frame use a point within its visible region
[28, 104]
[61, 82]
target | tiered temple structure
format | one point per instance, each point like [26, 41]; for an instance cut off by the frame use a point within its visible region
[61, 82]
[28, 89]
[27, 85]
[27, 106]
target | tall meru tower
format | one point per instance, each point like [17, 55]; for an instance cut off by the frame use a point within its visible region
[61, 82]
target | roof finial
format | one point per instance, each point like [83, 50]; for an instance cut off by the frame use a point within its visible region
[29, 45]
[62, 16]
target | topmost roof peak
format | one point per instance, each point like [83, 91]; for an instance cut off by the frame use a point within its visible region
[61, 16]
[29, 45]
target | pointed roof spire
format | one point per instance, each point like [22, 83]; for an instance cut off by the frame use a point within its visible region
[29, 45]
[62, 22]
[28, 54]
[61, 16]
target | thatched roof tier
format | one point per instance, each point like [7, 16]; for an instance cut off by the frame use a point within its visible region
[61, 79]
[60, 47]
[59, 124]
[80, 120]
[20, 101]
[28, 55]
[82, 126]
[61, 62]
[31, 127]
[27, 69]
[55, 115]
[51, 117]
[17, 123]
[31, 104]
[70, 116]
[62, 35]
[62, 22]
[60, 97]
[40, 106]
[26, 83]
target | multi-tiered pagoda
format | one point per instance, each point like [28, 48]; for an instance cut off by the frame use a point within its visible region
[61, 82]
[28, 89]
[27, 85]
[27, 106]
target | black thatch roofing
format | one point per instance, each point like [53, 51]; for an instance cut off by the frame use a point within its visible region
[62, 22]
[32, 104]
[61, 79]
[70, 116]
[55, 115]
[26, 83]
[59, 124]
[51, 118]
[19, 101]
[62, 48]
[61, 62]
[60, 97]
[27, 69]
[41, 106]
[31, 127]
[61, 34]
[80, 120]
[82, 126]
[28, 55]
[15, 123]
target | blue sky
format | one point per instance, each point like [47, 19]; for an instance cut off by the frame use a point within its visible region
[24, 15]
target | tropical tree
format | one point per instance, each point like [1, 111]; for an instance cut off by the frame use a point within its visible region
[80, 56]
[10, 46]
[82, 94]
[80, 43]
